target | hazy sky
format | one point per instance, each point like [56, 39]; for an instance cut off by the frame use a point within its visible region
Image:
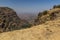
[29, 6]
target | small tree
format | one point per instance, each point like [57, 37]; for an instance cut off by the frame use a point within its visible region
[26, 25]
[56, 6]
[45, 12]
[52, 16]
[40, 14]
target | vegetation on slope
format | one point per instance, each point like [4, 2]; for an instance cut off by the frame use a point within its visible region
[47, 15]
[10, 21]
[48, 31]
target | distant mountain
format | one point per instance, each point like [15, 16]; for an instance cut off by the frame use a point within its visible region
[30, 17]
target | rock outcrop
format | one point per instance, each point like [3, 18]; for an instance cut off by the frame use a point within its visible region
[47, 15]
[8, 19]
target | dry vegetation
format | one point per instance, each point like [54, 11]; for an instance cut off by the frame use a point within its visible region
[48, 30]
[9, 20]
[47, 15]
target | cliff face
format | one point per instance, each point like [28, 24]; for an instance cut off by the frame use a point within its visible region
[8, 19]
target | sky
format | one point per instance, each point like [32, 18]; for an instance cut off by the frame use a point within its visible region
[29, 6]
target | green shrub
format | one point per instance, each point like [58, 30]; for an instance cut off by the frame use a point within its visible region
[52, 16]
[12, 27]
[45, 12]
[56, 6]
[40, 14]
[26, 25]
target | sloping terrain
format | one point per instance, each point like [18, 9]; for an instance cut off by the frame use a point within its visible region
[48, 28]
[47, 31]
[9, 20]
[47, 15]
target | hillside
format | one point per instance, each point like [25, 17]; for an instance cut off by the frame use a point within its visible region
[47, 31]
[9, 20]
[47, 27]
[47, 15]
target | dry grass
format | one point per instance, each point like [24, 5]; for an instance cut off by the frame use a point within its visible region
[48, 31]
[54, 10]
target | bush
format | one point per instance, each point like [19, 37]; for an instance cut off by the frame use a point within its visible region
[52, 16]
[45, 12]
[40, 14]
[36, 20]
[56, 6]
[26, 25]
[12, 27]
